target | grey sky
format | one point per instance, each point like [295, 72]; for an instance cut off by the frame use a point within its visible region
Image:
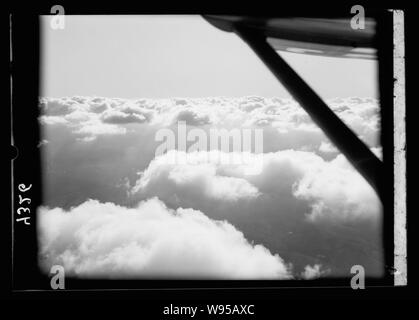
[177, 56]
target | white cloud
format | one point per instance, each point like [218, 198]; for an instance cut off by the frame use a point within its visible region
[334, 190]
[192, 118]
[199, 179]
[105, 240]
[378, 151]
[302, 189]
[116, 116]
[327, 147]
[42, 143]
[56, 107]
[313, 272]
[95, 128]
[52, 120]
[291, 122]
[338, 193]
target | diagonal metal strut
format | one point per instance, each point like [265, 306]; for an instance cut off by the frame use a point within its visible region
[344, 138]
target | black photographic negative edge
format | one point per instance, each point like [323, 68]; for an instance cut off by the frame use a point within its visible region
[27, 169]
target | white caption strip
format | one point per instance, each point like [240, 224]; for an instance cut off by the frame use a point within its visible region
[400, 253]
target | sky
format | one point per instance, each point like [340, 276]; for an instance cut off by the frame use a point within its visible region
[177, 56]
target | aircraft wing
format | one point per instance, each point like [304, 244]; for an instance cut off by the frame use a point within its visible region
[314, 36]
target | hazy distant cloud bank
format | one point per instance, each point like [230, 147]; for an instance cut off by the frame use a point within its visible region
[93, 116]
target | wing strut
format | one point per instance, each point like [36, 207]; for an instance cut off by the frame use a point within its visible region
[345, 140]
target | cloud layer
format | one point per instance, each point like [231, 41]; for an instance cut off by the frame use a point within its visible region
[283, 118]
[334, 190]
[151, 241]
[306, 205]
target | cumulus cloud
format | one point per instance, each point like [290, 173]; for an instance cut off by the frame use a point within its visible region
[42, 143]
[333, 188]
[192, 118]
[56, 107]
[327, 147]
[313, 272]
[120, 117]
[150, 240]
[52, 120]
[198, 179]
[338, 192]
[95, 128]
[90, 117]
